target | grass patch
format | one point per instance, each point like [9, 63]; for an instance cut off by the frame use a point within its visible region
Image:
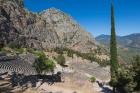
[92, 79]
[60, 60]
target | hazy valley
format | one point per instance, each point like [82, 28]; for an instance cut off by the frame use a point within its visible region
[128, 46]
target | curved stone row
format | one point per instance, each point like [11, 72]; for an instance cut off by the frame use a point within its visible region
[5, 58]
[18, 66]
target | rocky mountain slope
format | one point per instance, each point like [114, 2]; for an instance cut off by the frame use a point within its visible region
[48, 29]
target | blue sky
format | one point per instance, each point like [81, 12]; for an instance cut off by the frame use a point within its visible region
[94, 15]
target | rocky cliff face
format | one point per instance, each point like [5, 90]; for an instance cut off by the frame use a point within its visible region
[48, 29]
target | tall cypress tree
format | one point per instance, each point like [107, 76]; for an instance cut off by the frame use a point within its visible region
[113, 52]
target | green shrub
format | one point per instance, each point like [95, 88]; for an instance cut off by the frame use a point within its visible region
[14, 45]
[7, 50]
[60, 60]
[30, 50]
[136, 69]
[49, 65]
[38, 53]
[1, 45]
[13, 50]
[43, 64]
[58, 50]
[20, 50]
[92, 79]
[70, 54]
[128, 79]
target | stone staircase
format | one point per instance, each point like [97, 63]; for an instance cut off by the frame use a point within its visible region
[15, 64]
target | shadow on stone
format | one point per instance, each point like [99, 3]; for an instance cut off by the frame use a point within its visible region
[31, 80]
[104, 89]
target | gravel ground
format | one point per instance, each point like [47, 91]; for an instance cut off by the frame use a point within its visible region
[102, 73]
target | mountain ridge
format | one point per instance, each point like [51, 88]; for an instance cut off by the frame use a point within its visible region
[128, 46]
[131, 40]
[47, 29]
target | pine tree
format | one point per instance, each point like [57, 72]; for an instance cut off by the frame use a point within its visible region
[113, 52]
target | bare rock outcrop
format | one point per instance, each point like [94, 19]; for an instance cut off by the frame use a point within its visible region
[48, 29]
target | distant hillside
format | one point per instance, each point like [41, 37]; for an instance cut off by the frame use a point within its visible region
[131, 41]
[128, 46]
